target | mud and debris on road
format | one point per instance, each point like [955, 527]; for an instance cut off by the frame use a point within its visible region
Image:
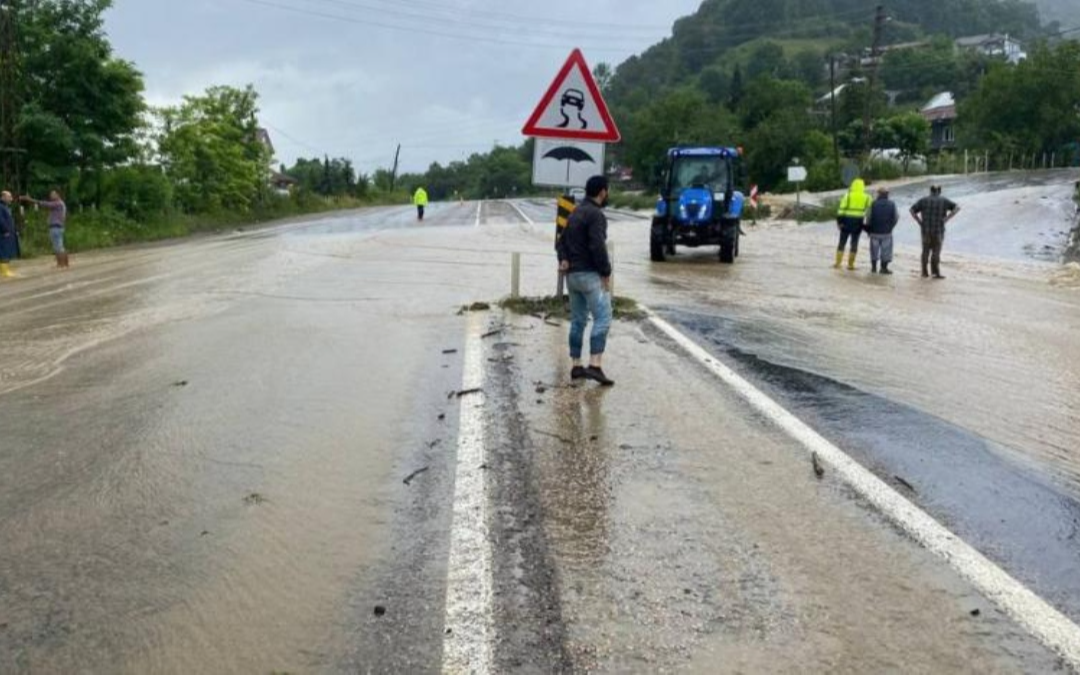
[662, 525]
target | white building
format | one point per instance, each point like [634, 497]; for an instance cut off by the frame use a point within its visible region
[994, 45]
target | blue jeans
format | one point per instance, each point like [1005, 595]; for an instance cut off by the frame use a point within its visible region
[56, 234]
[587, 296]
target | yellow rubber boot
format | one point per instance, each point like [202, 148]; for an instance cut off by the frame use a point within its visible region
[851, 262]
[839, 260]
[5, 271]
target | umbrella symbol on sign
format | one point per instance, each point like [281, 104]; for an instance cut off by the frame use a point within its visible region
[570, 155]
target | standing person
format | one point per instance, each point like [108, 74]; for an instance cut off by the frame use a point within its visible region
[932, 213]
[880, 223]
[57, 221]
[420, 200]
[850, 219]
[9, 236]
[583, 257]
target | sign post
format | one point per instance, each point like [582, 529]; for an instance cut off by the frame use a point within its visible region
[571, 124]
[797, 174]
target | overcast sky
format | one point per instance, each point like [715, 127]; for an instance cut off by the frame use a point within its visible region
[355, 77]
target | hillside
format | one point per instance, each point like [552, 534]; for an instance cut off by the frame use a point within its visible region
[1066, 12]
[708, 38]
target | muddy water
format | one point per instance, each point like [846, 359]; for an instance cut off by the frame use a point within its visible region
[201, 445]
[691, 536]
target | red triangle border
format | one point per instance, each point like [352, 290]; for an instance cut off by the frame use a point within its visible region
[609, 135]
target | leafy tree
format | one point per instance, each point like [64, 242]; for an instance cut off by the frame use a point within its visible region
[911, 136]
[1031, 106]
[767, 59]
[603, 73]
[83, 105]
[211, 151]
[716, 83]
[684, 117]
[766, 96]
[808, 66]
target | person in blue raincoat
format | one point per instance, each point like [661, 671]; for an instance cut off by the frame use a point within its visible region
[9, 236]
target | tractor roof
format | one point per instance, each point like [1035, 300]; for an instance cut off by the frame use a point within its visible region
[703, 152]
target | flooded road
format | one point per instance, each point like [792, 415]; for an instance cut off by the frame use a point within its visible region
[239, 454]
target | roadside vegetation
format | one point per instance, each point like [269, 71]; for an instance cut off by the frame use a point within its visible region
[553, 308]
[130, 172]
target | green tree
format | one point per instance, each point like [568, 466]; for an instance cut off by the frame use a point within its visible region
[211, 151]
[684, 117]
[911, 136]
[83, 106]
[603, 73]
[1031, 106]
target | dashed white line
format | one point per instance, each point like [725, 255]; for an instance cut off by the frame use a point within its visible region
[468, 644]
[1047, 624]
[479, 209]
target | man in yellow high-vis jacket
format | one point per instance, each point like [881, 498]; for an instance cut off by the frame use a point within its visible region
[850, 218]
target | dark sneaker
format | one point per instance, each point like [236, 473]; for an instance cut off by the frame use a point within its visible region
[938, 277]
[578, 373]
[885, 270]
[597, 375]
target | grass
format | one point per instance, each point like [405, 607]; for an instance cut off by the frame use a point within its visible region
[96, 229]
[551, 307]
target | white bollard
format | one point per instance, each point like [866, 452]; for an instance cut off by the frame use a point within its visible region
[515, 275]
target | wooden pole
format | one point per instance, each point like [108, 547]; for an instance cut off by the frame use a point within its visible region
[611, 257]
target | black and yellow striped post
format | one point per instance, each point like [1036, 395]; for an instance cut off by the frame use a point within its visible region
[567, 204]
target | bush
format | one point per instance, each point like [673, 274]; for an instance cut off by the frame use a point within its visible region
[634, 201]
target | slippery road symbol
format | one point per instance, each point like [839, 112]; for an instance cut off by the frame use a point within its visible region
[573, 98]
[570, 155]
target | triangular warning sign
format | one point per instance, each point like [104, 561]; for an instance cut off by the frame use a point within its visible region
[573, 108]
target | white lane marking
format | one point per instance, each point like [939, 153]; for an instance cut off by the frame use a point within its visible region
[479, 209]
[470, 627]
[1048, 625]
[521, 213]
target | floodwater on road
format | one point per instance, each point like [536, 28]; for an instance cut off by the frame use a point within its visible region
[203, 448]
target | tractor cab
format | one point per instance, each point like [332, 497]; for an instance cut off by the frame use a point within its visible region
[699, 204]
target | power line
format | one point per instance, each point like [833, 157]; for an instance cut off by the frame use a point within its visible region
[728, 37]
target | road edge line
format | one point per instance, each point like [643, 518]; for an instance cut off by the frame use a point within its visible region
[521, 213]
[469, 628]
[1048, 625]
[479, 212]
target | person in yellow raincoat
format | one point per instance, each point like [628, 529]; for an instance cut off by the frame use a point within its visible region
[420, 201]
[850, 218]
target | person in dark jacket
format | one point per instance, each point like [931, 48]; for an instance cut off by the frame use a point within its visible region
[583, 258]
[932, 214]
[881, 220]
[9, 236]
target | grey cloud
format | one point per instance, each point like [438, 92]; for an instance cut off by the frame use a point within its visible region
[344, 88]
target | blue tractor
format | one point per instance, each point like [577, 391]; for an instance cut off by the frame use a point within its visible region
[699, 204]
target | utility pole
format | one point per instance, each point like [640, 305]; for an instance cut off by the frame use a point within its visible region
[11, 150]
[875, 57]
[393, 174]
[832, 95]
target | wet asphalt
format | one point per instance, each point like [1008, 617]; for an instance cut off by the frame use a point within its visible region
[204, 449]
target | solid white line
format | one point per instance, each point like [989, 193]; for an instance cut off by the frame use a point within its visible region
[1048, 625]
[521, 213]
[479, 209]
[470, 628]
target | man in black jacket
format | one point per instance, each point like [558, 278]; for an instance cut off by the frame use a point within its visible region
[583, 258]
[881, 220]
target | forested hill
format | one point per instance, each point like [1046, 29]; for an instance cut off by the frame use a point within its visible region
[721, 30]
